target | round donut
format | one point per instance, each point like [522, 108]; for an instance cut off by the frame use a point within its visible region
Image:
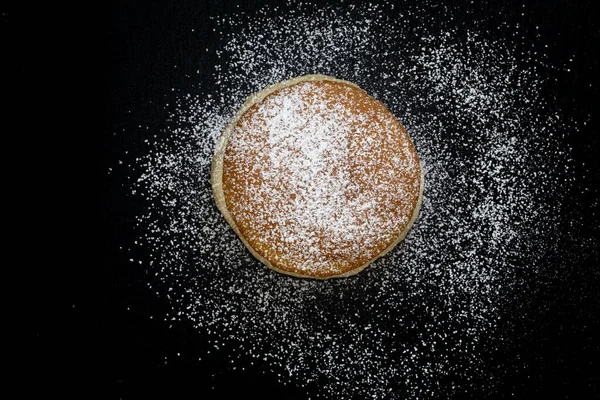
[316, 177]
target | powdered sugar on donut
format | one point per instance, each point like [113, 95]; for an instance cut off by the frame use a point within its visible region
[320, 184]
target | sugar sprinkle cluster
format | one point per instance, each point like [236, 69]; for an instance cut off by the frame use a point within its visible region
[414, 324]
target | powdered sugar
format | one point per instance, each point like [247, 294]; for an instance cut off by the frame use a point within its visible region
[413, 325]
[316, 186]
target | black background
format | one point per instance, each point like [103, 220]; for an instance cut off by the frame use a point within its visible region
[114, 65]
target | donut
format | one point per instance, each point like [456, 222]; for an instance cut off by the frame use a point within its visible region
[316, 177]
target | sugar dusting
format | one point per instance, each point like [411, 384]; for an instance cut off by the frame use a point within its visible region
[317, 187]
[414, 324]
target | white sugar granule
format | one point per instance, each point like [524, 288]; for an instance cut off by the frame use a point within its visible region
[413, 324]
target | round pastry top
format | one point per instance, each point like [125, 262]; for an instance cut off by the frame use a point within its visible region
[320, 178]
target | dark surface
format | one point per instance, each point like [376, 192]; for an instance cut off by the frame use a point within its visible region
[150, 49]
[135, 55]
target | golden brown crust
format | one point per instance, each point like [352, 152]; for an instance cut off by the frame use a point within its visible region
[219, 194]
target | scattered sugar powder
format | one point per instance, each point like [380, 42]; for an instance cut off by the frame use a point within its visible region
[415, 323]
